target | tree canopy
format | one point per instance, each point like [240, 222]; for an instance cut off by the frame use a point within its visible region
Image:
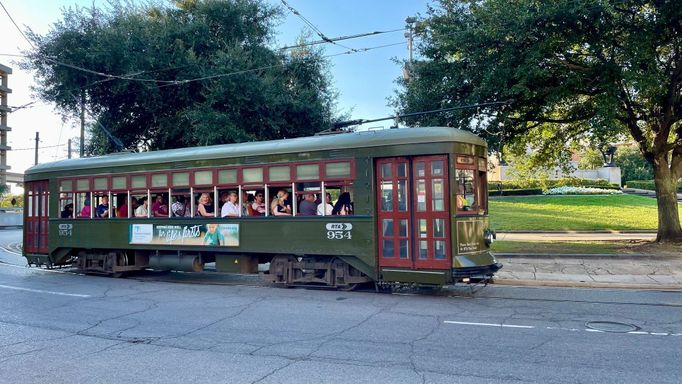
[571, 70]
[191, 72]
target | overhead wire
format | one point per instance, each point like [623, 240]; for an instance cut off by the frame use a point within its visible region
[312, 26]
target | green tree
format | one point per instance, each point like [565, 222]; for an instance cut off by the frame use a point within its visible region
[632, 165]
[143, 63]
[571, 70]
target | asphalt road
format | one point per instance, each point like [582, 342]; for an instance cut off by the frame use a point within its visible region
[67, 328]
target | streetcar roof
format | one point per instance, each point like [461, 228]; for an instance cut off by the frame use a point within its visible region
[363, 139]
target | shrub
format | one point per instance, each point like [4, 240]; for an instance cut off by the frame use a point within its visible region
[649, 185]
[580, 191]
[515, 192]
[553, 183]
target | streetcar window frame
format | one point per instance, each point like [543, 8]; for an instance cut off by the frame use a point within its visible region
[294, 184]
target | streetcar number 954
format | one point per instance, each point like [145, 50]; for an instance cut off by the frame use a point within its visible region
[339, 231]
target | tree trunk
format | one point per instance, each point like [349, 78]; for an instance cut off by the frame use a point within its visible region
[669, 229]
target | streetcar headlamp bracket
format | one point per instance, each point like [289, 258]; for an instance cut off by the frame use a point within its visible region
[489, 237]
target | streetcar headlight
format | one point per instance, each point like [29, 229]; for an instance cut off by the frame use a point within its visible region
[489, 237]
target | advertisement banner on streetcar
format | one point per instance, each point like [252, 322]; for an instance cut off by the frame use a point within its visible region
[213, 235]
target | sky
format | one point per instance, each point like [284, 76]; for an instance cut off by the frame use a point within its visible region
[364, 80]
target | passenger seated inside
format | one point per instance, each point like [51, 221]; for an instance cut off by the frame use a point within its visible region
[343, 205]
[86, 210]
[160, 208]
[102, 210]
[205, 206]
[326, 207]
[307, 206]
[181, 208]
[247, 200]
[142, 210]
[123, 209]
[67, 212]
[258, 206]
[462, 203]
[231, 207]
[279, 207]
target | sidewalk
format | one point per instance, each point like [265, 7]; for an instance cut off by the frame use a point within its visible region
[577, 236]
[596, 271]
[638, 271]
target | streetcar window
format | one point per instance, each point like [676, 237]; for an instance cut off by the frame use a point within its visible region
[181, 206]
[119, 182]
[65, 199]
[83, 205]
[280, 201]
[101, 183]
[279, 173]
[118, 200]
[137, 207]
[180, 179]
[159, 180]
[466, 198]
[483, 185]
[160, 205]
[227, 176]
[205, 204]
[387, 196]
[138, 181]
[252, 175]
[66, 205]
[339, 170]
[308, 172]
[66, 186]
[203, 178]
[83, 184]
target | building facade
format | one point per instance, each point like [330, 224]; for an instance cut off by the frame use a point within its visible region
[4, 128]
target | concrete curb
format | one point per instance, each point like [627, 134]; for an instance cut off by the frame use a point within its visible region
[585, 284]
[579, 232]
[605, 256]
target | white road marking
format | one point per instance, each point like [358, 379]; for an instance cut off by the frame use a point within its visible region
[36, 269]
[559, 328]
[42, 291]
[490, 325]
[10, 251]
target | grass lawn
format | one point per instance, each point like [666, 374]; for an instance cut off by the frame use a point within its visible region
[558, 213]
[587, 247]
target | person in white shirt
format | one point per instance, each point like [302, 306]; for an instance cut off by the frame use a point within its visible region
[326, 207]
[142, 210]
[230, 208]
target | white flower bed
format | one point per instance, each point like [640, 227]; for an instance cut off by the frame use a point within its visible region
[581, 191]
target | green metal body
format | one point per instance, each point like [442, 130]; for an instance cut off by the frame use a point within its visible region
[269, 236]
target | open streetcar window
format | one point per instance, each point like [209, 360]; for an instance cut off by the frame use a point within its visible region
[66, 210]
[467, 194]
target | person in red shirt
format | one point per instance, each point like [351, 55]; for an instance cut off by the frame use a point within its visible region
[160, 208]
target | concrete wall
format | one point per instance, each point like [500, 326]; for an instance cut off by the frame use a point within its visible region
[11, 217]
[612, 174]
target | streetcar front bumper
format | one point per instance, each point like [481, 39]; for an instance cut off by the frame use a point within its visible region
[478, 272]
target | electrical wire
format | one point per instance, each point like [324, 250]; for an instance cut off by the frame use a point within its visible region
[313, 26]
[33, 148]
[333, 39]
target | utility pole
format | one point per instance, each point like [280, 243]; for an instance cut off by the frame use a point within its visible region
[409, 35]
[37, 141]
[69, 148]
[82, 152]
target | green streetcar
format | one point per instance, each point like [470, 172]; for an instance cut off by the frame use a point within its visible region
[418, 213]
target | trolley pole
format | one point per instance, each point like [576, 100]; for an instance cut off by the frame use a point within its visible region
[37, 141]
[82, 152]
[69, 148]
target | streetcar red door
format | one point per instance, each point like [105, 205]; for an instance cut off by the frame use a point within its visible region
[36, 217]
[413, 212]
